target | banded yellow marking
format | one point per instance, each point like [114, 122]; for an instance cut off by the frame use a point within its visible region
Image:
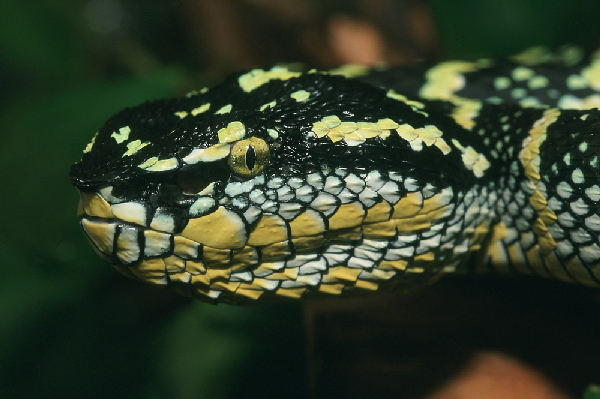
[366, 285]
[228, 286]
[334, 289]
[522, 73]
[472, 160]
[202, 280]
[160, 165]
[415, 105]
[533, 56]
[578, 271]
[243, 257]
[592, 73]
[495, 250]
[347, 215]
[353, 133]
[286, 274]
[300, 95]
[399, 264]
[148, 162]
[535, 259]
[306, 224]
[502, 83]
[336, 273]
[121, 135]
[224, 109]
[576, 82]
[185, 247]
[350, 70]
[196, 92]
[445, 79]
[271, 104]
[275, 251]
[530, 160]
[216, 258]
[413, 224]
[133, 212]
[258, 77]
[465, 112]
[294, 293]
[555, 267]
[303, 243]
[95, 205]
[269, 229]
[347, 234]
[134, 146]
[200, 110]
[428, 135]
[101, 235]
[380, 229]
[181, 114]
[212, 153]
[90, 145]
[538, 82]
[233, 132]
[220, 229]
[408, 206]
[174, 264]
[571, 102]
[379, 212]
[151, 271]
[156, 243]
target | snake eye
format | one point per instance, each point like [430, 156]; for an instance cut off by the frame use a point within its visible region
[249, 157]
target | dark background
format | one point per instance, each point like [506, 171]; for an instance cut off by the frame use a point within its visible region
[70, 326]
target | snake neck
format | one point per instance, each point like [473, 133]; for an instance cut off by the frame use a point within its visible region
[543, 200]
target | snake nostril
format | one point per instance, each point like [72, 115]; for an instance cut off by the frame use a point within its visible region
[190, 183]
[118, 191]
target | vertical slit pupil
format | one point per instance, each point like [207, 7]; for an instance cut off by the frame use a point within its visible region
[250, 158]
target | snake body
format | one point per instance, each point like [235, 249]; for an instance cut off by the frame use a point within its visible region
[280, 184]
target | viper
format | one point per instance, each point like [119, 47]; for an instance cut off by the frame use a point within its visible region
[283, 184]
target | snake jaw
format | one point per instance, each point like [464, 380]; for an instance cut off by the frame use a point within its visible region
[330, 232]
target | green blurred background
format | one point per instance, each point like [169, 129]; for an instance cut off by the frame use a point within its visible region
[70, 326]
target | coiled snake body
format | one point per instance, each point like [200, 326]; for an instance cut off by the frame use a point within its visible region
[281, 184]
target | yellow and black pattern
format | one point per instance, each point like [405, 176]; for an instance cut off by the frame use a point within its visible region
[281, 184]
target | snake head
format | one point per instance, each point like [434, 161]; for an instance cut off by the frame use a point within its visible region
[274, 184]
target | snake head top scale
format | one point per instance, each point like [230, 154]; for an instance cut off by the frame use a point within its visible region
[278, 184]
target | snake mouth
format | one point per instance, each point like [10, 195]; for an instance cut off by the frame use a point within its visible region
[169, 259]
[220, 256]
[137, 250]
[125, 244]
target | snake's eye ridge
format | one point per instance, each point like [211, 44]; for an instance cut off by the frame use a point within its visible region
[249, 157]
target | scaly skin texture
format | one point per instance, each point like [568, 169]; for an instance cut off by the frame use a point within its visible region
[278, 184]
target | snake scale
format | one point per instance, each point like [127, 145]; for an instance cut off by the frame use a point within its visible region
[278, 184]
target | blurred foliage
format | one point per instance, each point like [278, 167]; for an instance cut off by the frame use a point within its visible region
[592, 392]
[69, 325]
[500, 28]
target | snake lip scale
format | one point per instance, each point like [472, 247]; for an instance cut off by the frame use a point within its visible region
[278, 184]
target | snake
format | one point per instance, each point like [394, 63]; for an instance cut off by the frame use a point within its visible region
[282, 184]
